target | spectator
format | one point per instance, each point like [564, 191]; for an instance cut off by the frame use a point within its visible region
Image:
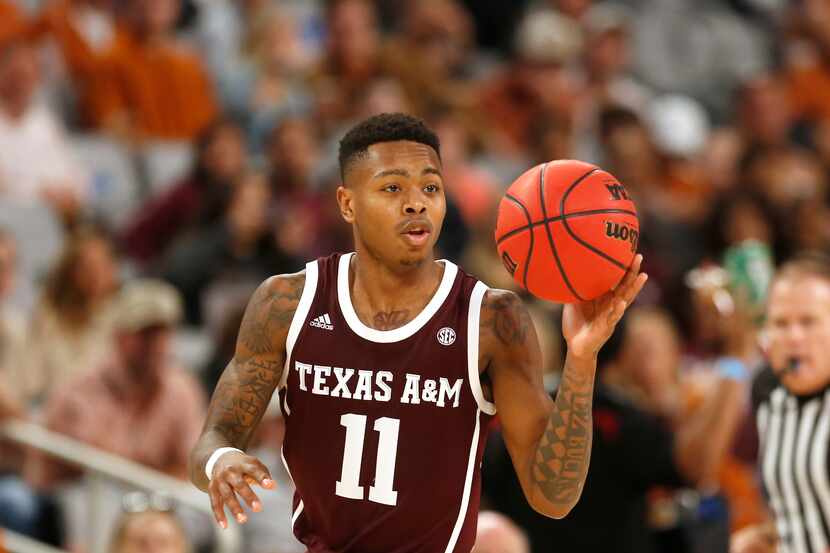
[611, 514]
[352, 58]
[149, 531]
[432, 56]
[11, 20]
[71, 328]
[35, 160]
[498, 534]
[83, 31]
[301, 216]
[277, 65]
[197, 201]
[240, 248]
[154, 87]
[136, 404]
[539, 83]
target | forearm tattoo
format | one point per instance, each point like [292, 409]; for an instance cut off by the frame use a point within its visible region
[560, 464]
[245, 389]
[562, 458]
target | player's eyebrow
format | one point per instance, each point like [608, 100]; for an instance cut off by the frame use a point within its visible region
[388, 172]
[431, 171]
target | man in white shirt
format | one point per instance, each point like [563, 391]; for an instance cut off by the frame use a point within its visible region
[36, 163]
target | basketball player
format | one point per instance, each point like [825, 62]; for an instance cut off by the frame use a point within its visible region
[791, 400]
[390, 365]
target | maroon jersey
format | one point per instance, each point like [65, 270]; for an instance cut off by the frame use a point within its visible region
[384, 429]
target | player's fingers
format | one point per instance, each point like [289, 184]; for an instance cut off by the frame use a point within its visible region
[631, 292]
[630, 274]
[260, 473]
[241, 487]
[217, 506]
[231, 502]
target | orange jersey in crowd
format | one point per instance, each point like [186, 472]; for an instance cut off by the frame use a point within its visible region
[163, 89]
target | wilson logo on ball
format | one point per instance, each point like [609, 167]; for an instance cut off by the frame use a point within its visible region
[622, 231]
[617, 191]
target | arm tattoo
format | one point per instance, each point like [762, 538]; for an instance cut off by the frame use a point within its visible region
[560, 461]
[564, 452]
[270, 309]
[390, 320]
[505, 317]
[245, 389]
[241, 399]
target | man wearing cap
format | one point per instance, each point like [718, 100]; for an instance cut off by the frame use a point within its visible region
[138, 404]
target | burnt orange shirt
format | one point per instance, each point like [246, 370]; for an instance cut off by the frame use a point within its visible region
[12, 23]
[810, 90]
[163, 89]
[84, 64]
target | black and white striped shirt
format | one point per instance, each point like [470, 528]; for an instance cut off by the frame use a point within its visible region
[794, 434]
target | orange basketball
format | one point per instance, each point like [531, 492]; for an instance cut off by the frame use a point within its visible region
[567, 231]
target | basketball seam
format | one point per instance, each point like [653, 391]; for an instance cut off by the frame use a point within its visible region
[560, 217]
[550, 234]
[530, 248]
[573, 234]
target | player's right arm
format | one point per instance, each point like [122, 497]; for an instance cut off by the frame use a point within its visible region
[549, 441]
[242, 396]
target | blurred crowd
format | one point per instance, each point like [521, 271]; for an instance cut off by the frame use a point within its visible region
[159, 158]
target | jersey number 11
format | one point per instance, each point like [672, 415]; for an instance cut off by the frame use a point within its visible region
[348, 485]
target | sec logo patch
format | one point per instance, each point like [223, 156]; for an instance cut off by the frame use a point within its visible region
[446, 336]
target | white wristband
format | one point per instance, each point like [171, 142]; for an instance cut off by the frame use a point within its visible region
[214, 458]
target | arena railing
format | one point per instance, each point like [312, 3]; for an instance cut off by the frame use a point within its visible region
[102, 467]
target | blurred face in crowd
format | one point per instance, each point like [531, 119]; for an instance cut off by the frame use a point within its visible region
[294, 150]
[248, 210]
[746, 221]
[19, 78]
[607, 53]
[798, 331]
[224, 154]
[158, 17]
[441, 31]
[787, 176]
[152, 532]
[277, 44]
[145, 352]
[94, 271]
[572, 8]
[383, 95]
[765, 111]
[8, 265]
[353, 35]
[394, 198]
[650, 356]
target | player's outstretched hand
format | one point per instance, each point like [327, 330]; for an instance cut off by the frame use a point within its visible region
[587, 325]
[233, 476]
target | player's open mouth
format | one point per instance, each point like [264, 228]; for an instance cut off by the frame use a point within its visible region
[417, 237]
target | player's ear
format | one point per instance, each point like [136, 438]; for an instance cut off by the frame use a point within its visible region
[345, 198]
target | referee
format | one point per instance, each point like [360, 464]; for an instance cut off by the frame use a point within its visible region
[791, 404]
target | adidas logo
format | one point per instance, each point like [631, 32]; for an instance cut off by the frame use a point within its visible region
[322, 321]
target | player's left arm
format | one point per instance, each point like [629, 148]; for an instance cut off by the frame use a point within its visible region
[549, 440]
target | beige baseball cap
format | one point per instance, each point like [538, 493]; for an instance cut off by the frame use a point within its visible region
[147, 302]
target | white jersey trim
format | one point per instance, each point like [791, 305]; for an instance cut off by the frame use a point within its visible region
[473, 327]
[398, 334]
[300, 315]
[468, 483]
[296, 514]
